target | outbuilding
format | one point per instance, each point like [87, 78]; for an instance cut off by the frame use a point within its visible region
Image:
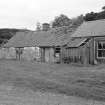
[41, 46]
[87, 43]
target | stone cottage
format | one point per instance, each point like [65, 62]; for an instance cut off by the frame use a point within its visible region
[41, 46]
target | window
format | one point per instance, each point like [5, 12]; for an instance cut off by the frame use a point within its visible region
[101, 49]
[57, 51]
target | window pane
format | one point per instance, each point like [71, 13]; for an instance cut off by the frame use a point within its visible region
[100, 53]
[103, 53]
[99, 45]
[103, 45]
[57, 50]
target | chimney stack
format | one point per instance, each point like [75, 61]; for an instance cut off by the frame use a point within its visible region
[45, 27]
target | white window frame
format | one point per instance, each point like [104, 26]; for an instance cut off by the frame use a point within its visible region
[102, 42]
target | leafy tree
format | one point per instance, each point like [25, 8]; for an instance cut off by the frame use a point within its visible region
[60, 21]
[100, 15]
[90, 16]
[103, 8]
[95, 16]
[78, 20]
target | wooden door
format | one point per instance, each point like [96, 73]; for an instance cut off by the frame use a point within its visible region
[51, 55]
[47, 55]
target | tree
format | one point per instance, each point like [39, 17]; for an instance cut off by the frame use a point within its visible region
[78, 20]
[100, 15]
[90, 16]
[60, 21]
[95, 16]
[103, 8]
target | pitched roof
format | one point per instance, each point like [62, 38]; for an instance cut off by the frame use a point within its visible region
[91, 28]
[76, 42]
[41, 38]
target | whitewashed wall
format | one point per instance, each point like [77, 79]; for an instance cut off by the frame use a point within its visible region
[27, 53]
[31, 53]
[8, 53]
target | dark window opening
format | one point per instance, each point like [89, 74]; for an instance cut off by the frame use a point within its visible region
[99, 46]
[103, 45]
[57, 50]
[100, 53]
[103, 53]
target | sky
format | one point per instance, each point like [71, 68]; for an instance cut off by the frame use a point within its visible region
[26, 13]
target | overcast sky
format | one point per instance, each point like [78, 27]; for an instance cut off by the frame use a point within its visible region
[26, 13]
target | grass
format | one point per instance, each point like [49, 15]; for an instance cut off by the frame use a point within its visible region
[71, 80]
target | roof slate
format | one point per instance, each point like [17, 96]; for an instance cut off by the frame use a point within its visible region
[91, 28]
[76, 42]
[42, 39]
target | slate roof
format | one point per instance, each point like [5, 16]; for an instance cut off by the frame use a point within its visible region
[91, 28]
[76, 42]
[41, 38]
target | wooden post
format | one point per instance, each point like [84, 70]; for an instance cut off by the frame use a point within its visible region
[42, 54]
[19, 54]
[61, 54]
[94, 61]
